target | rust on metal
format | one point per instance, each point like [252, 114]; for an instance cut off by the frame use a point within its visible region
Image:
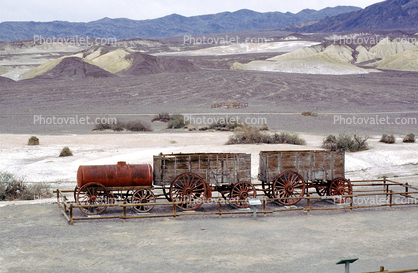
[119, 175]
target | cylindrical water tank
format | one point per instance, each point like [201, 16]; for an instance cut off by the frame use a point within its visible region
[120, 175]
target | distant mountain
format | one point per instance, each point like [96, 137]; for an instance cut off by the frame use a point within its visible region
[168, 26]
[390, 14]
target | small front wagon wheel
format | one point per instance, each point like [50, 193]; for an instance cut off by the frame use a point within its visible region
[92, 194]
[143, 196]
[339, 188]
[241, 192]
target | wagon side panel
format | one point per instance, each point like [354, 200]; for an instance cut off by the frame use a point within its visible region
[213, 168]
[339, 164]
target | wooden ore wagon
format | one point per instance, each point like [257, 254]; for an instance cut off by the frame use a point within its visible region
[288, 174]
[191, 178]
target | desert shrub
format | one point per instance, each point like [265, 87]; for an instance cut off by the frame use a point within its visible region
[102, 126]
[117, 127]
[226, 125]
[137, 126]
[387, 139]
[177, 121]
[330, 143]
[12, 188]
[33, 140]
[66, 152]
[163, 117]
[250, 135]
[287, 138]
[264, 127]
[409, 138]
[345, 142]
[309, 114]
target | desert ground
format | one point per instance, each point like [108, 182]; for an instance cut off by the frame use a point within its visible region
[40, 239]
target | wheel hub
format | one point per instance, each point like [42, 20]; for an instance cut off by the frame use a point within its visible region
[188, 192]
[289, 188]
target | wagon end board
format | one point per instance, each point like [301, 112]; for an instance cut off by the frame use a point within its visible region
[311, 164]
[214, 168]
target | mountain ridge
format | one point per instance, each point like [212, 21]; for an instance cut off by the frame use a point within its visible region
[386, 15]
[167, 26]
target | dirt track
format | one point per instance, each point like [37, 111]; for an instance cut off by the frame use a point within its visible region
[40, 240]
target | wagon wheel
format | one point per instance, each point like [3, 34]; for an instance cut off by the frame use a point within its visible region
[190, 189]
[267, 189]
[289, 185]
[92, 194]
[143, 196]
[75, 192]
[242, 191]
[340, 186]
[321, 190]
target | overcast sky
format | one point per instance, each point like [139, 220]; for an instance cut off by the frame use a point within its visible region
[90, 10]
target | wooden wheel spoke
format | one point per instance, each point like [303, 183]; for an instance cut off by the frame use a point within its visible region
[240, 192]
[191, 189]
[92, 194]
[289, 185]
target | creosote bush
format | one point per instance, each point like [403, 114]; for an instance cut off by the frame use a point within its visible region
[409, 138]
[33, 140]
[163, 117]
[176, 122]
[12, 189]
[250, 135]
[309, 114]
[345, 142]
[226, 125]
[66, 152]
[135, 126]
[102, 126]
[388, 139]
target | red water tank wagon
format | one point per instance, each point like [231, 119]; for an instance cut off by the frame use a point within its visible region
[119, 175]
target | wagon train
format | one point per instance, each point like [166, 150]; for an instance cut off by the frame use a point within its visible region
[191, 179]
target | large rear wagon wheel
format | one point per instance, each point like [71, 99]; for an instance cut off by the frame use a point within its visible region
[190, 189]
[143, 196]
[240, 192]
[92, 194]
[340, 187]
[289, 185]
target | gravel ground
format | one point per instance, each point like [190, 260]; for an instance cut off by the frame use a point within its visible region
[40, 240]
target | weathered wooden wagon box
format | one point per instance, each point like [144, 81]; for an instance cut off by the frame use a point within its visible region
[214, 168]
[312, 165]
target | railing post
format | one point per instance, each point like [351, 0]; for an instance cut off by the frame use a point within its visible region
[124, 211]
[264, 207]
[308, 202]
[174, 211]
[71, 214]
[58, 197]
[220, 208]
[390, 199]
